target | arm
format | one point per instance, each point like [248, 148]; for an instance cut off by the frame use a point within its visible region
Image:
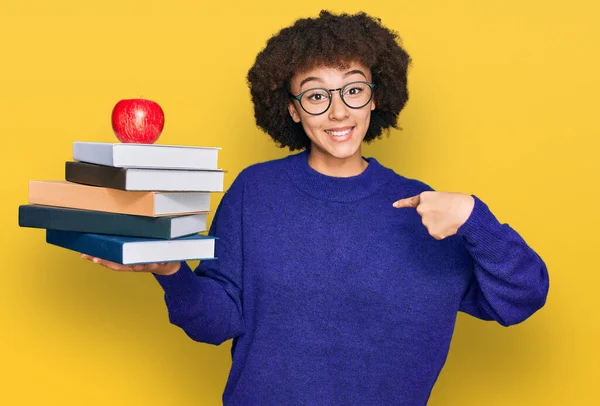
[206, 303]
[510, 281]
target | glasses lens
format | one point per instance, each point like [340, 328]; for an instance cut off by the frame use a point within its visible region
[356, 94]
[315, 101]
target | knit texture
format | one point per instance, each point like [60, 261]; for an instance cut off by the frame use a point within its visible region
[334, 297]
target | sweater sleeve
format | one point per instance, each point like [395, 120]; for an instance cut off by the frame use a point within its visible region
[510, 281]
[206, 303]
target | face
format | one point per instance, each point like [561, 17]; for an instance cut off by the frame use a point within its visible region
[337, 133]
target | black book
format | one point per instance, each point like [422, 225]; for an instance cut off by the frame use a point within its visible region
[98, 222]
[143, 179]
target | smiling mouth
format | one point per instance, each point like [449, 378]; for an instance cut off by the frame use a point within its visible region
[339, 133]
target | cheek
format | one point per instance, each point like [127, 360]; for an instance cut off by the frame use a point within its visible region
[363, 116]
[312, 124]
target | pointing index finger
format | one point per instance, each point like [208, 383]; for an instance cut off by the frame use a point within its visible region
[408, 202]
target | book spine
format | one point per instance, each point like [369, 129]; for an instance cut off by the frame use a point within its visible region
[96, 175]
[98, 153]
[87, 244]
[73, 195]
[96, 222]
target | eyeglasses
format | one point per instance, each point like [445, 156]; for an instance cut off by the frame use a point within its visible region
[317, 101]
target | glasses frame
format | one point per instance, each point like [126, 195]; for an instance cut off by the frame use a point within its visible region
[330, 93]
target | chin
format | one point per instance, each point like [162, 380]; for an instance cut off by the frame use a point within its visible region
[343, 151]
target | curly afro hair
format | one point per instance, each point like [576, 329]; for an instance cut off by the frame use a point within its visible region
[327, 41]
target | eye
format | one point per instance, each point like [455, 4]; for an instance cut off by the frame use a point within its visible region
[316, 96]
[354, 90]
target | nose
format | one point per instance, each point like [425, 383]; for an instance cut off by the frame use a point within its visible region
[338, 110]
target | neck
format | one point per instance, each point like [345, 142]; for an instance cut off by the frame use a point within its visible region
[335, 188]
[337, 167]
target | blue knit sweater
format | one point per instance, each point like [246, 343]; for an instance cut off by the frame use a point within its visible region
[334, 297]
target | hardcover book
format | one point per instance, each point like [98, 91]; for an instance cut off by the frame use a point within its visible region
[144, 179]
[98, 222]
[132, 250]
[130, 155]
[153, 204]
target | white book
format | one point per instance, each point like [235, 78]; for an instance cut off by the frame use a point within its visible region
[129, 155]
[172, 180]
[180, 249]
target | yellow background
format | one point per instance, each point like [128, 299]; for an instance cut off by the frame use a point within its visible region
[504, 104]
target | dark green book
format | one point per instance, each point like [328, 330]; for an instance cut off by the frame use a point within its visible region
[98, 222]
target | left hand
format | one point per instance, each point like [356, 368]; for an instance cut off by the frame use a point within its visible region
[441, 212]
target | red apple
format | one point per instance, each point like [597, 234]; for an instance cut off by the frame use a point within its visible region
[137, 121]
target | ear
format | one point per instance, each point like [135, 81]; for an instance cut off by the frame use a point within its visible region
[293, 112]
[373, 104]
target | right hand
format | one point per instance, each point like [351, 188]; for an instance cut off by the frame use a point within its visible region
[162, 268]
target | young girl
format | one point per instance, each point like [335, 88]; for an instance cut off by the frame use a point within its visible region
[338, 280]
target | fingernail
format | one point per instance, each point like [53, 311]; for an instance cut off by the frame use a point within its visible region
[395, 204]
[95, 260]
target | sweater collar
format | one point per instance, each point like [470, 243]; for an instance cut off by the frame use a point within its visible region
[331, 188]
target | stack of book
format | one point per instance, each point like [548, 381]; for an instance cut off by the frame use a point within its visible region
[129, 203]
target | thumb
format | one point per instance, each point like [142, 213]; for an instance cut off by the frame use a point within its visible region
[408, 202]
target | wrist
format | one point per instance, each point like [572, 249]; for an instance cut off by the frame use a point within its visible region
[169, 268]
[466, 209]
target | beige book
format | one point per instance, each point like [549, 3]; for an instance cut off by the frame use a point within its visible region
[152, 204]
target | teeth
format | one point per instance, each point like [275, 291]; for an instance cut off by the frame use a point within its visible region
[338, 133]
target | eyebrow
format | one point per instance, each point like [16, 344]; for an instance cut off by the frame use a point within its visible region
[349, 73]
